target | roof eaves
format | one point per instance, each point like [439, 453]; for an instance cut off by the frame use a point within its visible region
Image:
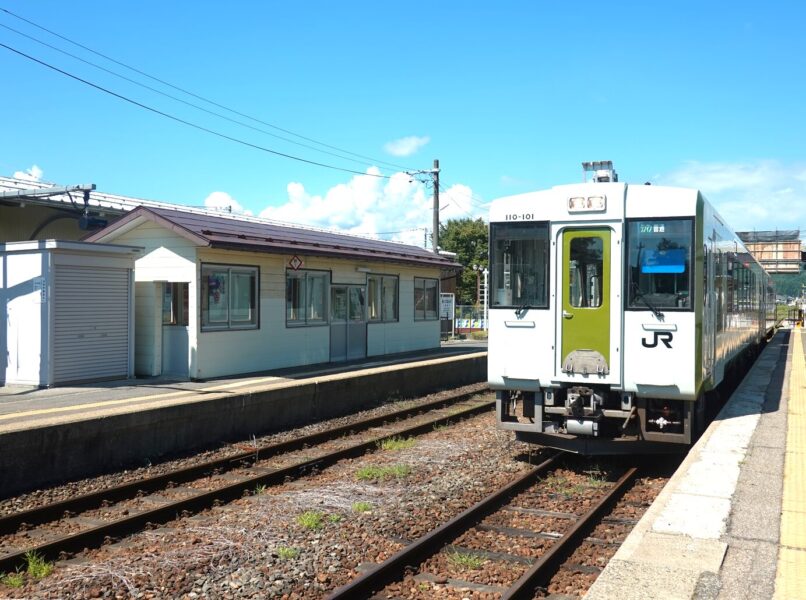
[292, 247]
[150, 215]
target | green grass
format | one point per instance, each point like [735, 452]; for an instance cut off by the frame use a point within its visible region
[396, 443]
[360, 507]
[373, 473]
[38, 567]
[334, 518]
[14, 580]
[286, 553]
[466, 560]
[596, 477]
[260, 489]
[563, 486]
[311, 519]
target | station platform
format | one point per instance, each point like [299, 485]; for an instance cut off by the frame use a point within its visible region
[731, 522]
[55, 434]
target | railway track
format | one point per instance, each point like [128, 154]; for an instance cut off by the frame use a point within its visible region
[538, 572]
[72, 525]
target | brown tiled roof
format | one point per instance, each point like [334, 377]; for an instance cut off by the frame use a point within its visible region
[259, 236]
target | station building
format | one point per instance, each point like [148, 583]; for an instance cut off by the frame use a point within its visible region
[219, 295]
[213, 294]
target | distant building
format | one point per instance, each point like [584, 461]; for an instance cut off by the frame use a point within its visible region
[778, 251]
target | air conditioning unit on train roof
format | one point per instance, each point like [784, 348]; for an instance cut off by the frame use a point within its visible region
[603, 171]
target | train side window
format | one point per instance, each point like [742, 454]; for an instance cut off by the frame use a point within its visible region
[659, 261]
[519, 259]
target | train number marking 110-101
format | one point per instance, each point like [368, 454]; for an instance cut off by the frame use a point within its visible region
[520, 217]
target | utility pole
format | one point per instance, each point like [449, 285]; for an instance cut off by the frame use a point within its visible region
[435, 179]
[434, 173]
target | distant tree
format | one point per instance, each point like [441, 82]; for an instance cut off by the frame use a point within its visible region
[468, 238]
[789, 284]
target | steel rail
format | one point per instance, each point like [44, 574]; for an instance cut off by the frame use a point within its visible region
[95, 536]
[541, 571]
[125, 491]
[393, 567]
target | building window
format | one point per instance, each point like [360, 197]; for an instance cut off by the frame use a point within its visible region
[382, 301]
[305, 297]
[175, 304]
[229, 296]
[426, 295]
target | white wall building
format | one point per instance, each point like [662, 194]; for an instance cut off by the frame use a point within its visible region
[225, 295]
[69, 310]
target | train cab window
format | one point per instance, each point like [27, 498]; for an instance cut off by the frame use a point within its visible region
[519, 256]
[659, 255]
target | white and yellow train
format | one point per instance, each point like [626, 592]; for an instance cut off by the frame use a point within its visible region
[615, 311]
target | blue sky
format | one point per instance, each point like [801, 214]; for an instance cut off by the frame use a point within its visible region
[509, 96]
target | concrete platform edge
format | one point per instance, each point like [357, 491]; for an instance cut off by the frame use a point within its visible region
[44, 455]
[677, 549]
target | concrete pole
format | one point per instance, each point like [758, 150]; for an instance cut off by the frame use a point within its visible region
[435, 180]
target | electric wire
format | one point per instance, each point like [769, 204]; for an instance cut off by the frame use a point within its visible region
[453, 196]
[197, 96]
[189, 123]
[175, 98]
[472, 197]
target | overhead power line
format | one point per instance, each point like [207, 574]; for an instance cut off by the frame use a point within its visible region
[177, 99]
[194, 95]
[189, 123]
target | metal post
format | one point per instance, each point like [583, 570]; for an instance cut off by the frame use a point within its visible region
[486, 299]
[435, 179]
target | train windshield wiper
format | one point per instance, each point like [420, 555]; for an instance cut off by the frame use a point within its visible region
[521, 310]
[638, 294]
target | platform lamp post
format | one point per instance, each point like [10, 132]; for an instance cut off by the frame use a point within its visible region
[477, 269]
[486, 298]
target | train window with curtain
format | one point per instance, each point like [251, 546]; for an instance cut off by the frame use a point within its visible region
[229, 297]
[519, 259]
[659, 271]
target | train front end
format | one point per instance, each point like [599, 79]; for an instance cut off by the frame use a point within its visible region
[593, 328]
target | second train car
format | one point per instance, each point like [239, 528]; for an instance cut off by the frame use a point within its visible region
[615, 311]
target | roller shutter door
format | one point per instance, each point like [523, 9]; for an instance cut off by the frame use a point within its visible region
[91, 324]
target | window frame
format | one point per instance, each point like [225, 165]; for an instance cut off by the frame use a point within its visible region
[306, 322]
[547, 284]
[229, 326]
[692, 256]
[381, 278]
[177, 310]
[425, 316]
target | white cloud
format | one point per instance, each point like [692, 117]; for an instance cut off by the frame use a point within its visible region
[397, 209]
[406, 146]
[223, 201]
[32, 174]
[757, 195]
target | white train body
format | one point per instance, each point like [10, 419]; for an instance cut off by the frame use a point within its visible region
[614, 310]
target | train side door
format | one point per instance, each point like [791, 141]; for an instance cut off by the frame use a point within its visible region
[585, 301]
